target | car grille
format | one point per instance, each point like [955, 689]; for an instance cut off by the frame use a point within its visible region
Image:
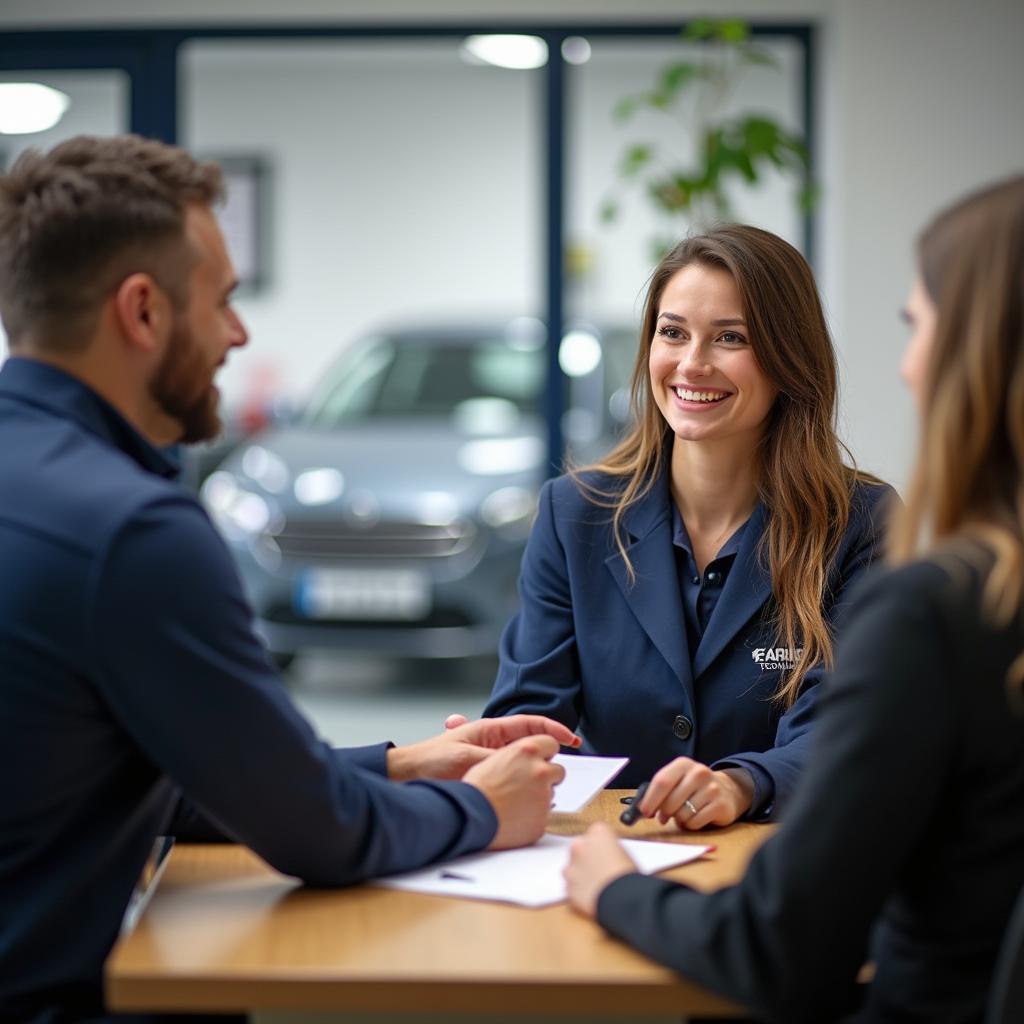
[320, 541]
[439, 618]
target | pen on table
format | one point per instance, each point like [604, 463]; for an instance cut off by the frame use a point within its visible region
[631, 815]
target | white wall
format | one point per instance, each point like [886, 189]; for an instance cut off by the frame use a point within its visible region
[405, 187]
[918, 100]
[929, 103]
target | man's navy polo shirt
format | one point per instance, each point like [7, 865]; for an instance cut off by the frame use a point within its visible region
[130, 674]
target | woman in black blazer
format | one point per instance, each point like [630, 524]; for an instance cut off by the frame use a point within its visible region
[908, 827]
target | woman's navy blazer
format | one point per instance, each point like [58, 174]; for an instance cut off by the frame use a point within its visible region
[610, 656]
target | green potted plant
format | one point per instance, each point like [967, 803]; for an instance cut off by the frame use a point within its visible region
[727, 149]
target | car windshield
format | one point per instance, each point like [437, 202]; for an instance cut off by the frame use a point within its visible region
[435, 377]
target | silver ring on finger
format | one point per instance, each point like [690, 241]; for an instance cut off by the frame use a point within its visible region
[688, 804]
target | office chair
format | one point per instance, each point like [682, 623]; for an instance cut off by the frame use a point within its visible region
[1006, 997]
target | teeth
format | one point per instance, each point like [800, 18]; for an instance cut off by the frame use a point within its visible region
[699, 396]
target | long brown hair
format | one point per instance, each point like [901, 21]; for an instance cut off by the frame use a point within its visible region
[803, 483]
[968, 482]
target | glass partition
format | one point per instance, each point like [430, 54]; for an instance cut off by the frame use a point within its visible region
[400, 189]
[609, 262]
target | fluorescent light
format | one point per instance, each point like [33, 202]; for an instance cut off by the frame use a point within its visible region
[27, 107]
[521, 53]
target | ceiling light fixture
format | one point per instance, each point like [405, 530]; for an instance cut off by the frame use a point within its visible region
[27, 107]
[521, 53]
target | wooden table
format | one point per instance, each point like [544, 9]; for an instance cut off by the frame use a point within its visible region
[226, 932]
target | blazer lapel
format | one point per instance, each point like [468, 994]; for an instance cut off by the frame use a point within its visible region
[746, 590]
[654, 596]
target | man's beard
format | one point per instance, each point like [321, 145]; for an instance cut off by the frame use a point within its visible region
[182, 386]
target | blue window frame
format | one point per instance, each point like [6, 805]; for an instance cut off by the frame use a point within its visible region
[150, 59]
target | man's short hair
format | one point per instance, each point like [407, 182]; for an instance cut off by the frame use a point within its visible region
[76, 221]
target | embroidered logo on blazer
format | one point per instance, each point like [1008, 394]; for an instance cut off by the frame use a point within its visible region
[775, 659]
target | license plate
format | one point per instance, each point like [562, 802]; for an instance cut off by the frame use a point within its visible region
[400, 594]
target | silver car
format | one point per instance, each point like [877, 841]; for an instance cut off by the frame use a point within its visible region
[391, 515]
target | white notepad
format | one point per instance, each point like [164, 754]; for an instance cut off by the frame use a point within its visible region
[585, 776]
[531, 876]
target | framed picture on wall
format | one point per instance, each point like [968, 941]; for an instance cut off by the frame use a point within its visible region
[244, 218]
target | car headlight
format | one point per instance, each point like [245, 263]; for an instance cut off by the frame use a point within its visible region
[237, 512]
[266, 468]
[510, 511]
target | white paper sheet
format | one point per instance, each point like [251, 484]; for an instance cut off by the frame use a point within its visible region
[585, 776]
[530, 877]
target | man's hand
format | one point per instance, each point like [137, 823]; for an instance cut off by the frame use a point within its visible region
[451, 754]
[596, 859]
[519, 781]
[696, 796]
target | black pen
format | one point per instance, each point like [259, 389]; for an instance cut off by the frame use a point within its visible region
[631, 815]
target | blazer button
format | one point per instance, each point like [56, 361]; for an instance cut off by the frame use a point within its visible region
[682, 727]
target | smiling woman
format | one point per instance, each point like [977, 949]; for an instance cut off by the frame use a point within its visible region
[705, 378]
[680, 598]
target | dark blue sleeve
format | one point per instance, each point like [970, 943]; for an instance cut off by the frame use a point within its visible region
[776, 771]
[186, 677]
[372, 757]
[538, 668]
[188, 823]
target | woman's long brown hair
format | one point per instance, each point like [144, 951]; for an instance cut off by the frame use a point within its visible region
[803, 481]
[968, 482]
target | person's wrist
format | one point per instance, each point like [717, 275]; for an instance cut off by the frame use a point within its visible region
[401, 764]
[741, 785]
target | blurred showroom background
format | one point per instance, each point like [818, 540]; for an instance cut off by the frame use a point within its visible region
[389, 205]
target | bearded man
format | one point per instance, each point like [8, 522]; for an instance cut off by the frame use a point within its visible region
[134, 696]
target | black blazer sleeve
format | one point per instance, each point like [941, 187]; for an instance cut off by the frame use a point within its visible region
[789, 939]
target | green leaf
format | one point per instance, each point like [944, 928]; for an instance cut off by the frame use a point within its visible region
[674, 77]
[797, 147]
[672, 194]
[700, 28]
[759, 56]
[742, 162]
[635, 159]
[609, 211]
[732, 30]
[790, 151]
[808, 196]
[715, 150]
[625, 108]
[759, 135]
